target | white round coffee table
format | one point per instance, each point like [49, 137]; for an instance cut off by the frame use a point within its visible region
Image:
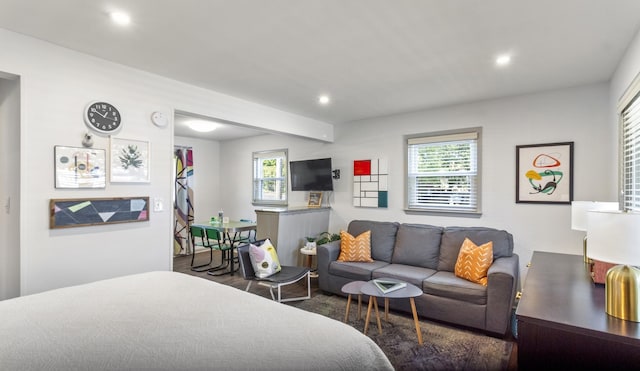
[410, 291]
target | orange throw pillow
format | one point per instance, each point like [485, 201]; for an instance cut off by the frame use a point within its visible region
[474, 261]
[355, 249]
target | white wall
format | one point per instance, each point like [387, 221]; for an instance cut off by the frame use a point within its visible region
[236, 169]
[9, 187]
[579, 115]
[56, 85]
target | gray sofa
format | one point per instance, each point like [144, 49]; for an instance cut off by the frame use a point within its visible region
[425, 256]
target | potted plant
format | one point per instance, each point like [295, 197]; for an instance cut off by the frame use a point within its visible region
[310, 244]
[326, 237]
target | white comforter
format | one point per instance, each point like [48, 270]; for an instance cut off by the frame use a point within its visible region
[173, 321]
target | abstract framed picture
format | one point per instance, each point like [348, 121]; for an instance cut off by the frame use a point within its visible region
[78, 212]
[370, 183]
[544, 173]
[77, 167]
[130, 161]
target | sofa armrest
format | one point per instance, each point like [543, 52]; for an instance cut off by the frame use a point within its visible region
[501, 291]
[325, 255]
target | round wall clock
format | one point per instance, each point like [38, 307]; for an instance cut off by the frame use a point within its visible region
[102, 117]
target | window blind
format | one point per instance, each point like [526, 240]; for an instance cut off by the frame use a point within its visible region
[443, 172]
[270, 177]
[630, 119]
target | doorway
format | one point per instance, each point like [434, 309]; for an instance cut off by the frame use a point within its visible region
[9, 186]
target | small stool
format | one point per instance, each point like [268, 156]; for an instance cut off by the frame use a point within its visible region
[353, 288]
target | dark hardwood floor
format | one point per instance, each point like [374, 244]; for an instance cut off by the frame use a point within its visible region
[182, 264]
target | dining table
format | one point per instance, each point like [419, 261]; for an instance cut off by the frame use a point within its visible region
[231, 235]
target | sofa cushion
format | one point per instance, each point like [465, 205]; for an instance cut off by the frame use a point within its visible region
[355, 270]
[417, 244]
[452, 239]
[446, 284]
[383, 237]
[407, 273]
[474, 261]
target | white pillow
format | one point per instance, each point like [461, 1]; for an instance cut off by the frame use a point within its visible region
[264, 259]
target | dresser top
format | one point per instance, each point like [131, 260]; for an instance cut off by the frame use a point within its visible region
[559, 292]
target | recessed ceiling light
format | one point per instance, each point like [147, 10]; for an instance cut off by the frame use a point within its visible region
[324, 99]
[202, 126]
[503, 60]
[120, 18]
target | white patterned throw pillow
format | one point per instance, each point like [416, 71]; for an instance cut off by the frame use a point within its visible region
[264, 259]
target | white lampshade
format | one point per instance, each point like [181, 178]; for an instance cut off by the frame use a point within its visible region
[614, 237]
[579, 211]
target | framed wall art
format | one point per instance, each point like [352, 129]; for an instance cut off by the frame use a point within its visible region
[130, 161]
[78, 212]
[315, 199]
[544, 173]
[77, 167]
[370, 183]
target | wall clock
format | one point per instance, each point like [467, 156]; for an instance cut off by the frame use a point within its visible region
[102, 117]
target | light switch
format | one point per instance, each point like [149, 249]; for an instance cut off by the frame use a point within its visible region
[157, 205]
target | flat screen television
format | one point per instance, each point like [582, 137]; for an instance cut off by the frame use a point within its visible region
[311, 175]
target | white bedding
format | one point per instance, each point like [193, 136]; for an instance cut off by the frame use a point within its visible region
[173, 321]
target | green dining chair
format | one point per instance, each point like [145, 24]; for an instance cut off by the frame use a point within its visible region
[210, 239]
[248, 236]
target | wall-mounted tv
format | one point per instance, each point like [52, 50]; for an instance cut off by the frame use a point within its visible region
[311, 175]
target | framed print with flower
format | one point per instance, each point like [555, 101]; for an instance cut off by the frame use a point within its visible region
[130, 161]
[544, 173]
[77, 167]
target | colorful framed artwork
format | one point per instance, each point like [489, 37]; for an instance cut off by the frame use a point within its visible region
[544, 173]
[78, 212]
[130, 161]
[77, 167]
[370, 180]
[315, 199]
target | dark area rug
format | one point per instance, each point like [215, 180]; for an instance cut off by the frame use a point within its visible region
[444, 348]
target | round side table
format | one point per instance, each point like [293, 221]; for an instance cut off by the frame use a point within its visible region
[310, 253]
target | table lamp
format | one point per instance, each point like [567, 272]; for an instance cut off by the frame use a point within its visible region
[614, 236]
[579, 218]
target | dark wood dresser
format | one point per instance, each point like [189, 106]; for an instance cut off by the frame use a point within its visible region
[562, 323]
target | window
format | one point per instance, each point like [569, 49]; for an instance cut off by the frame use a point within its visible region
[443, 171]
[270, 177]
[630, 151]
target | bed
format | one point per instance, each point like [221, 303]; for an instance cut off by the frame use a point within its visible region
[173, 321]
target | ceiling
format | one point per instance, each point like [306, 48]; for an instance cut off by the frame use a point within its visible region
[372, 57]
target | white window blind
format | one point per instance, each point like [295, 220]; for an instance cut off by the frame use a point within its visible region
[270, 177]
[443, 173]
[630, 118]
